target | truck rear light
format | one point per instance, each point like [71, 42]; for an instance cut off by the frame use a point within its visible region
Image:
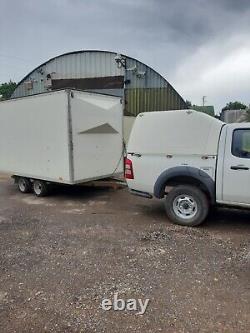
[129, 174]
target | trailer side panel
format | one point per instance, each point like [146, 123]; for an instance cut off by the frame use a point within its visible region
[34, 137]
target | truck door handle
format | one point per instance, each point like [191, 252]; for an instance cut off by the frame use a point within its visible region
[239, 167]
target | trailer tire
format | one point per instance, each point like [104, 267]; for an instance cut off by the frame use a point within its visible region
[40, 188]
[24, 185]
[187, 205]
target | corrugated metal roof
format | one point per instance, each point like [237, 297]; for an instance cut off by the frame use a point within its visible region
[92, 64]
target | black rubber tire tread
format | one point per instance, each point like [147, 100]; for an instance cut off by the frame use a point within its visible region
[27, 183]
[44, 188]
[200, 198]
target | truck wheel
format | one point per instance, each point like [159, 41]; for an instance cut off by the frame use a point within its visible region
[186, 205]
[24, 185]
[40, 188]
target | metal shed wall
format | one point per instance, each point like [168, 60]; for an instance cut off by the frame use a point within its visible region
[143, 88]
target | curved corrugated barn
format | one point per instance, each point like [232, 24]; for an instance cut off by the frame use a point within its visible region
[105, 72]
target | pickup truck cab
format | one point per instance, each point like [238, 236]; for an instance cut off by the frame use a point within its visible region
[190, 159]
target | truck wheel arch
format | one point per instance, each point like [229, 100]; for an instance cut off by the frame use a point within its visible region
[185, 175]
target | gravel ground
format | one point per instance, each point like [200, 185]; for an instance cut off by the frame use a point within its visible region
[60, 256]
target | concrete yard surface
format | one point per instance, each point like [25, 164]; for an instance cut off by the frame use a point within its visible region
[60, 256]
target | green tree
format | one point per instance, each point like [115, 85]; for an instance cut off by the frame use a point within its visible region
[7, 88]
[234, 106]
[188, 104]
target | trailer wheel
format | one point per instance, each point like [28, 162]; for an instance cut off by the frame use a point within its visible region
[40, 188]
[186, 205]
[24, 185]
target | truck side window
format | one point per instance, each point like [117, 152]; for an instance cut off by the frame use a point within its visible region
[241, 143]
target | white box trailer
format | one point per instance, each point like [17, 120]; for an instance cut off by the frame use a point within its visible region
[65, 136]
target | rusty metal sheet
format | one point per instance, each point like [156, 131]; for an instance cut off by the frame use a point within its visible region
[108, 82]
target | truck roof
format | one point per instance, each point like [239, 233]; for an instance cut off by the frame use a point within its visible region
[175, 132]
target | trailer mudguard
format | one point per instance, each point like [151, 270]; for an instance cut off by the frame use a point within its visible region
[182, 174]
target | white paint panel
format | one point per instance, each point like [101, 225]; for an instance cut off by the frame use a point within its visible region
[34, 137]
[235, 181]
[96, 155]
[128, 123]
[175, 132]
[148, 168]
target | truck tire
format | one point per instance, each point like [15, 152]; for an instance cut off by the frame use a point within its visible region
[24, 185]
[40, 188]
[187, 205]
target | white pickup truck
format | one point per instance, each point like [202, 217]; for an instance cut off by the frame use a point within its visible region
[192, 160]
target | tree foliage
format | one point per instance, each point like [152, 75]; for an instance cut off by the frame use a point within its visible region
[234, 106]
[188, 104]
[7, 89]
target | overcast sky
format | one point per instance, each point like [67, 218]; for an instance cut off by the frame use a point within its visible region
[202, 47]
